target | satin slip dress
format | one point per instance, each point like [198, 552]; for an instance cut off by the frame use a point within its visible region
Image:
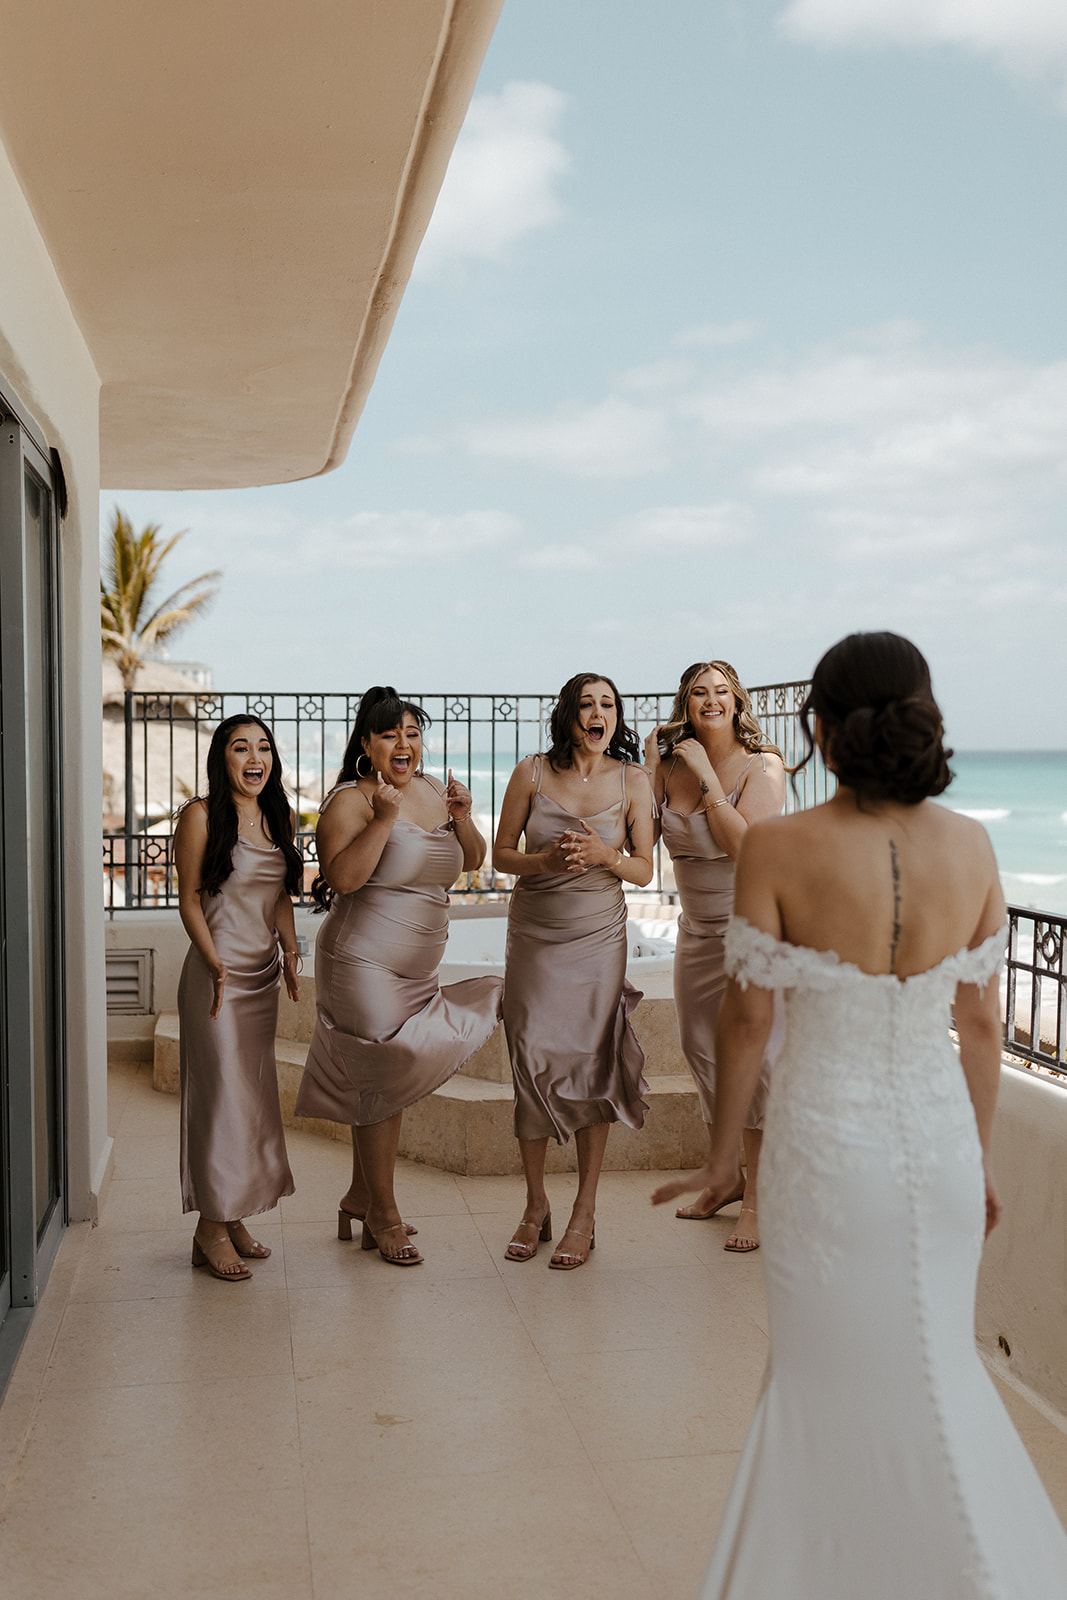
[386, 1034]
[704, 875]
[233, 1158]
[575, 1058]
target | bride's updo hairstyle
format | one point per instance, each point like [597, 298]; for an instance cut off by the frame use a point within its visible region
[882, 730]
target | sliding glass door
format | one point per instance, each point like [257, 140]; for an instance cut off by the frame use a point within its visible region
[32, 1068]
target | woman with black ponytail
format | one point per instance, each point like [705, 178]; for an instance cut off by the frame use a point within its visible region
[237, 867]
[391, 841]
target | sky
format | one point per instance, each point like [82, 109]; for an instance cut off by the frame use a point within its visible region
[739, 326]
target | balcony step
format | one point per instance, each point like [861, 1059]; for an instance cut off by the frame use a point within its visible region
[466, 1125]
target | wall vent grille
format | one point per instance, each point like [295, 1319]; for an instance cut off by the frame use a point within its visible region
[129, 981]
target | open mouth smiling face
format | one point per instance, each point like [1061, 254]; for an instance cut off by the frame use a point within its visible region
[597, 717]
[711, 702]
[248, 760]
[396, 753]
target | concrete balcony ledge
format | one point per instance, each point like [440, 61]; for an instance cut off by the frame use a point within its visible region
[465, 1127]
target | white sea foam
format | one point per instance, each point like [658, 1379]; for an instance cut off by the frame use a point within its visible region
[1043, 878]
[982, 816]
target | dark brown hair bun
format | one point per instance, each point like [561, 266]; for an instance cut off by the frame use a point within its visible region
[882, 729]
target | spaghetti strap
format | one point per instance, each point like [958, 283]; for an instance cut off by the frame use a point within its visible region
[735, 792]
[539, 758]
[666, 783]
[625, 764]
[352, 783]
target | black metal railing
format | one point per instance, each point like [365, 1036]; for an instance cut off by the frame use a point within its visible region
[479, 737]
[1035, 1010]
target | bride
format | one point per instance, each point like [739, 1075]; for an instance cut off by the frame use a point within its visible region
[880, 1462]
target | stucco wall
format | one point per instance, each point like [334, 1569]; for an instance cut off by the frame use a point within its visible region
[1022, 1290]
[45, 362]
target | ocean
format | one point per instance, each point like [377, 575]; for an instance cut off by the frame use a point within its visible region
[1020, 797]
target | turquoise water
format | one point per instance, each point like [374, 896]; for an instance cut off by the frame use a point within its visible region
[1021, 798]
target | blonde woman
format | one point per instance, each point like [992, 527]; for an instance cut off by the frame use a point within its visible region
[714, 773]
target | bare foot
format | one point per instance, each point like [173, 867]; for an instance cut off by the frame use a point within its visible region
[244, 1244]
[703, 1208]
[355, 1206]
[527, 1236]
[579, 1239]
[393, 1246]
[745, 1236]
[215, 1250]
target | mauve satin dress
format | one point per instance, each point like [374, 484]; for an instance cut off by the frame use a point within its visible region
[387, 1034]
[574, 1056]
[704, 875]
[233, 1160]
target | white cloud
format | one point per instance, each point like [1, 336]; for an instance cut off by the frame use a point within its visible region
[273, 542]
[661, 530]
[882, 412]
[718, 335]
[610, 439]
[556, 558]
[503, 178]
[1025, 38]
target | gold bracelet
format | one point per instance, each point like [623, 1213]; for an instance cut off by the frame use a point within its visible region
[711, 806]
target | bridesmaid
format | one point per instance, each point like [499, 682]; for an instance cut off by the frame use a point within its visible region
[391, 841]
[718, 775]
[237, 866]
[586, 812]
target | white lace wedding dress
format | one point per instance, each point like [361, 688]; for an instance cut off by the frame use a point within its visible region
[881, 1464]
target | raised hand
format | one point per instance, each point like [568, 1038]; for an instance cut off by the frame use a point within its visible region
[457, 799]
[385, 801]
[718, 1185]
[652, 755]
[695, 756]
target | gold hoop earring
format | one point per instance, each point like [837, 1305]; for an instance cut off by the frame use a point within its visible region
[370, 766]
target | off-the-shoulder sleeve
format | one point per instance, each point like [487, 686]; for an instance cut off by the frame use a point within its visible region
[985, 961]
[755, 957]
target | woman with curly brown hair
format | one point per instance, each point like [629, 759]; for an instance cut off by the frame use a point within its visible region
[714, 773]
[586, 810]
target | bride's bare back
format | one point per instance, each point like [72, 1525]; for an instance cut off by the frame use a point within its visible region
[891, 888]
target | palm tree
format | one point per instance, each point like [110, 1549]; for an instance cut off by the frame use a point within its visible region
[129, 630]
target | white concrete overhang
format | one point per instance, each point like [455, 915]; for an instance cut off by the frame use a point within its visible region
[233, 195]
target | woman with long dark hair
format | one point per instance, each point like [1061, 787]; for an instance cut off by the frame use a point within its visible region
[237, 867]
[714, 773]
[585, 808]
[881, 1461]
[391, 841]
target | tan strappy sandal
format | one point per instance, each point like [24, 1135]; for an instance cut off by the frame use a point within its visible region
[566, 1260]
[517, 1251]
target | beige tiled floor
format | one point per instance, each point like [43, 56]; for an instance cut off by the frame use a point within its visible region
[343, 1430]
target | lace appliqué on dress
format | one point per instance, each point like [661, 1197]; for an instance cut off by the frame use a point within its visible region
[868, 1064]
